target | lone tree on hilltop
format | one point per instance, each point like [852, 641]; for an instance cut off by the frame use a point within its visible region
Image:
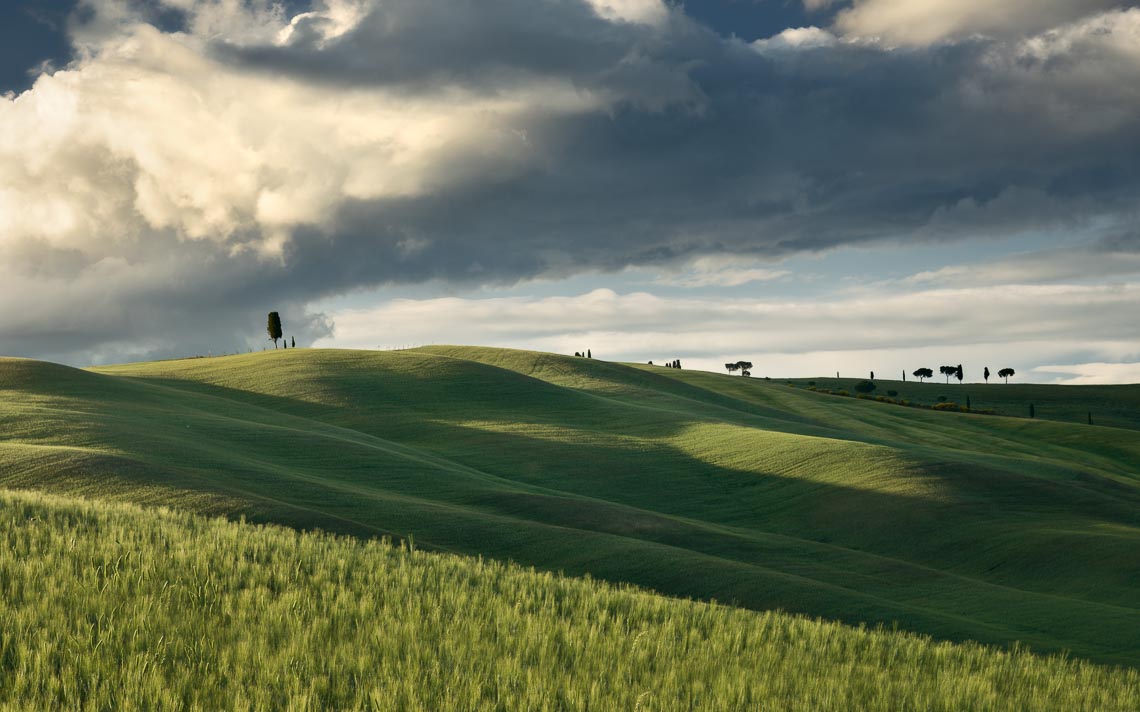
[1006, 373]
[745, 367]
[986, 374]
[958, 373]
[922, 374]
[292, 342]
[948, 371]
[274, 327]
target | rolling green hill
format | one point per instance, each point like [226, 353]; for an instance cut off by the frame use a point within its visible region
[107, 606]
[695, 484]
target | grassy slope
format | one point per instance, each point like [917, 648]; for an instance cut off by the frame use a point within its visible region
[691, 483]
[114, 607]
[1113, 406]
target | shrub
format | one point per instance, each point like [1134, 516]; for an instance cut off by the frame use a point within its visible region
[864, 387]
[892, 393]
[842, 393]
[947, 405]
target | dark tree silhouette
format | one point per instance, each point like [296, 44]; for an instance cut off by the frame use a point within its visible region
[872, 375]
[958, 373]
[948, 371]
[730, 367]
[864, 387]
[745, 367]
[274, 327]
[1006, 373]
[589, 354]
[986, 374]
[922, 374]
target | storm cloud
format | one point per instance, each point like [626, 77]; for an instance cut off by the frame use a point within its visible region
[180, 178]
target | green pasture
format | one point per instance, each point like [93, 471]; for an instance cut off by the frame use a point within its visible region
[1113, 406]
[750, 492]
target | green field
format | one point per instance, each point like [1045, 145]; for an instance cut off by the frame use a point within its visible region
[964, 527]
[1114, 406]
[115, 607]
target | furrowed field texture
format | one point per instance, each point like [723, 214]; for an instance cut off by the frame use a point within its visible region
[964, 527]
[109, 606]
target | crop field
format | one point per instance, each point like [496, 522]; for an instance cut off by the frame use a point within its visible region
[110, 606]
[963, 527]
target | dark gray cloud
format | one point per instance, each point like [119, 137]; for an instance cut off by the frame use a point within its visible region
[495, 141]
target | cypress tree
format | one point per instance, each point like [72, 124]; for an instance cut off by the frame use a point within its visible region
[274, 327]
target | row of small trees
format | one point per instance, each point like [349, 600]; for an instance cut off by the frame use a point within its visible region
[956, 372]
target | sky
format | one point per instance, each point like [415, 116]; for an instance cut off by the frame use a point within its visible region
[815, 186]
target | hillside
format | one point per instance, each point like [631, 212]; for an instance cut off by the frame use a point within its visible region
[115, 607]
[964, 527]
[1114, 406]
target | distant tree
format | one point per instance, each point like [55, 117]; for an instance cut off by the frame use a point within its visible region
[986, 374]
[677, 363]
[1006, 373]
[922, 374]
[948, 371]
[274, 327]
[730, 367]
[958, 373]
[284, 344]
[872, 375]
[904, 375]
[578, 354]
[589, 354]
[1032, 411]
[745, 367]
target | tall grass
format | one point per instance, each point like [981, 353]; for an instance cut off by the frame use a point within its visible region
[106, 606]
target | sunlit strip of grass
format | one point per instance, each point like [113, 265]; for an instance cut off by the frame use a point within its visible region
[107, 606]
